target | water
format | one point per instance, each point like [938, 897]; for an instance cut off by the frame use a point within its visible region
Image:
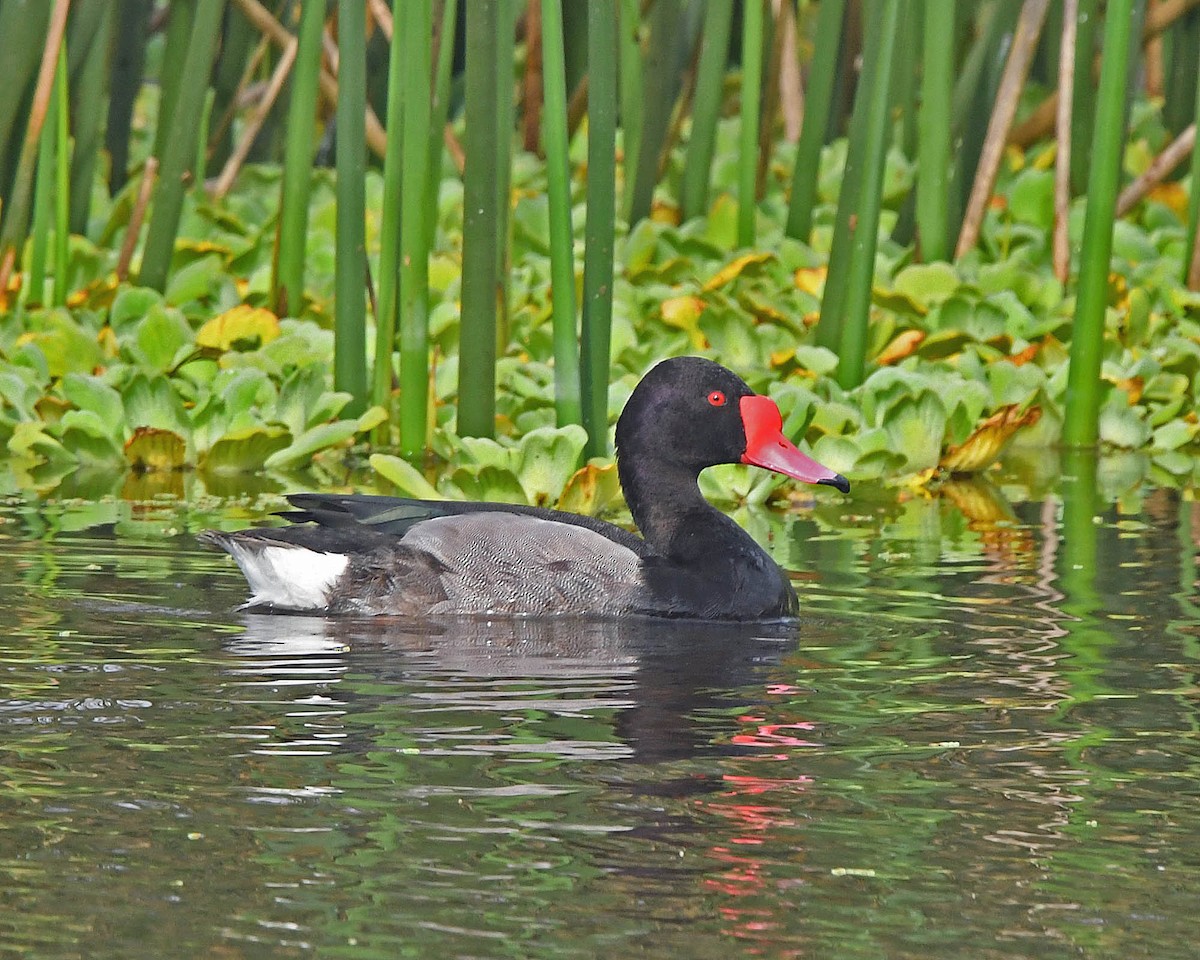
[980, 741]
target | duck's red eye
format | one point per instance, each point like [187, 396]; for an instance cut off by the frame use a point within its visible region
[717, 398]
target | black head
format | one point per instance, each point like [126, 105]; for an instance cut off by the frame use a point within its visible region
[691, 413]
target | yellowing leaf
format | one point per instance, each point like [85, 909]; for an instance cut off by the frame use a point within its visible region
[985, 445]
[1029, 353]
[153, 449]
[241, 328]
[978, 501]
[684, 313]
[1015, 157]
[590, 489]
[734, 269]
[1171, 194]
[904, 344]
[661, 212]
[810, 279]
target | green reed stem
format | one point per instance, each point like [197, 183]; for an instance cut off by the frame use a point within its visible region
[43, 199]
[481, 239]
[22, 33]
[440, 110]
[752, 75]
[88, 114]
[180, 147]
[415, 187]
[600, 229]
[350, 264]
[562, 240]
[876, 82]
[287, 293]
[817, 105]
[125, 82]
[1082, 415]
[1193, 228]
[629, 50]
[180, 19]
[389, 237]
[706, 108]
[659, 88]
[933, 144]
[62, 185]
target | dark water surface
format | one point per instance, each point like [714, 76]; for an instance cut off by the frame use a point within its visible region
[980, 741]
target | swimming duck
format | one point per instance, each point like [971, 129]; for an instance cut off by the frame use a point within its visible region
[369, 555]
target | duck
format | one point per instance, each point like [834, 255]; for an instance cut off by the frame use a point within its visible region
[367, 555]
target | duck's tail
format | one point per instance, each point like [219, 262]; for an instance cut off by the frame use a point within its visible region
[281, 574]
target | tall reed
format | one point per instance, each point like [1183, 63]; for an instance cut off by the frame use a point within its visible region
[600, 228]
[752, 78]
[350, 265]
[287, 293]
[558, 186]
[180, 148]
[817, 107]
[876, 86]
[417, 20]
[933, 144]
[706, 107]
[1082, 414]
[481, 240]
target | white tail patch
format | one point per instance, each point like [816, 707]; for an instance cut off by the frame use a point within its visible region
[287, 576]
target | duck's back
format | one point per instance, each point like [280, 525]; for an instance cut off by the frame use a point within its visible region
[470, 563]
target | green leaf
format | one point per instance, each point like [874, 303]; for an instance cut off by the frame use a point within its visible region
[927, 284]
[162, 336]
[404, 476]
[546, 459]
[313, 441]
[130, 305]
[154, 403]
[89, 437]
[245, 451]
[93, 394]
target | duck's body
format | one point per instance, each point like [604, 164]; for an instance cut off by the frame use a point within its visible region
[383, 555]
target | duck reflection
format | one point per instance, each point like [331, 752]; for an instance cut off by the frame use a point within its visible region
[651, 677]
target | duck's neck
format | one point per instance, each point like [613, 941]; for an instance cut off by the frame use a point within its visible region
[672, 515]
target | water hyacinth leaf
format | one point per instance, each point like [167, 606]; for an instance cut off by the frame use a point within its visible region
[152, 449]
[130, 305]
[31, 443]
[1031, 198]
[246, 450]
[195, 281]
[592, 489]
[313, 441]
[92, 394]
[745, 264]
[546, 459]
[814, 359]
[1122, 425]
[240, 328]
[64, 346]
[1174, 434]
[983, 447]
[152, 402]
[161, 338]
[89, 437]
[407, 479]
[927, 284]
[492, 483]
[917, 430]
[683, 313]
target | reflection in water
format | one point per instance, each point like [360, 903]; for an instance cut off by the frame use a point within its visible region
[983, 731]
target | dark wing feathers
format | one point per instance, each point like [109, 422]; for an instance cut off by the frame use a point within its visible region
[395, 516]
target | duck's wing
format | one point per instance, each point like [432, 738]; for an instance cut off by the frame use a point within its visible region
[396, 516]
